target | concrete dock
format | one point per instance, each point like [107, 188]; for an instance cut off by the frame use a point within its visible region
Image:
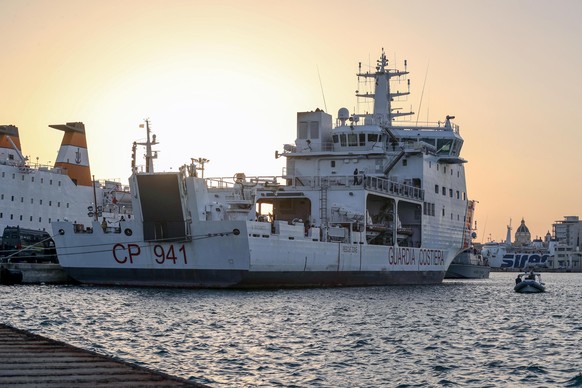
[30, 360]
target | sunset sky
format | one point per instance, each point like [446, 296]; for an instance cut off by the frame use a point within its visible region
[224, 79]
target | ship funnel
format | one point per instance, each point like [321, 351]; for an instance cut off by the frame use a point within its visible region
[10, 150]
[7, 133]
[73, 156]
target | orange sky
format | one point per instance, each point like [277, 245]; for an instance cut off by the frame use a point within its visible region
[223, 80]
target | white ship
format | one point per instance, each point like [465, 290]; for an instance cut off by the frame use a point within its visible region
[521, 254]
[34, 195]
[369, 201]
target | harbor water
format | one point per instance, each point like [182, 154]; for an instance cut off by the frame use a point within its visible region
[461, 333]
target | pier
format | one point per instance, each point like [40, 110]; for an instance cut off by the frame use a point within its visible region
[30, 360]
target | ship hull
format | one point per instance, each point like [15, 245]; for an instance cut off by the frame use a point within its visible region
[467, 271]
[229, 260]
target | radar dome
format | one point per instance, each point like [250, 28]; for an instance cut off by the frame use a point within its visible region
[343, 114]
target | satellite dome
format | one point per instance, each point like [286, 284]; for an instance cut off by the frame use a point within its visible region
[343, 114]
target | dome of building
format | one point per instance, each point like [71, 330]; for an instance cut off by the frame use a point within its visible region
[522, 234]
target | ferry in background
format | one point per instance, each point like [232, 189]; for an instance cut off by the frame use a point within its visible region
[522, 254]
[370, 201]
[34, 195]
[469, 264]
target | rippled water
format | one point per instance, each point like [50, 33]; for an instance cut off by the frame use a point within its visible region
[470, 332]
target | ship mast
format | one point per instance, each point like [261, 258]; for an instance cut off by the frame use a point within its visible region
[383, 111]
[150, 155]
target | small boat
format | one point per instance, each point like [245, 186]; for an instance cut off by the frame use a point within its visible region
[529, 282]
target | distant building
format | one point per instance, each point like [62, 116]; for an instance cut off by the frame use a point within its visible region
[568, 234]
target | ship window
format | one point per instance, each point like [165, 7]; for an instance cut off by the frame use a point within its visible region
[362, 139]
[302, 130]
[333, 163]
[21, 217]
[444, 146]
[67, 205]
[436, 189]
[451, 193]
[23, 177]
[2, 196]
[352, 140]
[50, 203]
[30, 218]
[464, 196]
[458, 194]
[1, 214]
[444, 191]
[373, 137]
[41, 201]
[12, 198]
[50, 220]
[59, 183]
[58, 204]
[13, 176]
[404, 162]
[314, 130]
[2, 174]
[51, 182]
[445, 170]
[343, 141]
[41, 180]
[21, 199]
[31, 201]
[451, 171]
[12, 216]
[335, 139]
[39, 219]
[443, 211]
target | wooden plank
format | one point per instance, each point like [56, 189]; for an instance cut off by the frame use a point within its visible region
[30, 360]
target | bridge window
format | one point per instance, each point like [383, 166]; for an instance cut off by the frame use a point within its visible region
[444, 190]
[302, 130]
[352, 140]
[314, 130]
[436, 189]
[362, 139]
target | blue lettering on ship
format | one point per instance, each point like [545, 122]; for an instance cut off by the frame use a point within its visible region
[519, 260]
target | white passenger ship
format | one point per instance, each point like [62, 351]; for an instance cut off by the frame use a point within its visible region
[369, 201]
[33, 195]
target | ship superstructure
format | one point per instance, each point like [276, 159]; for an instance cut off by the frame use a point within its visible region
[33, 195]
[370, 200]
